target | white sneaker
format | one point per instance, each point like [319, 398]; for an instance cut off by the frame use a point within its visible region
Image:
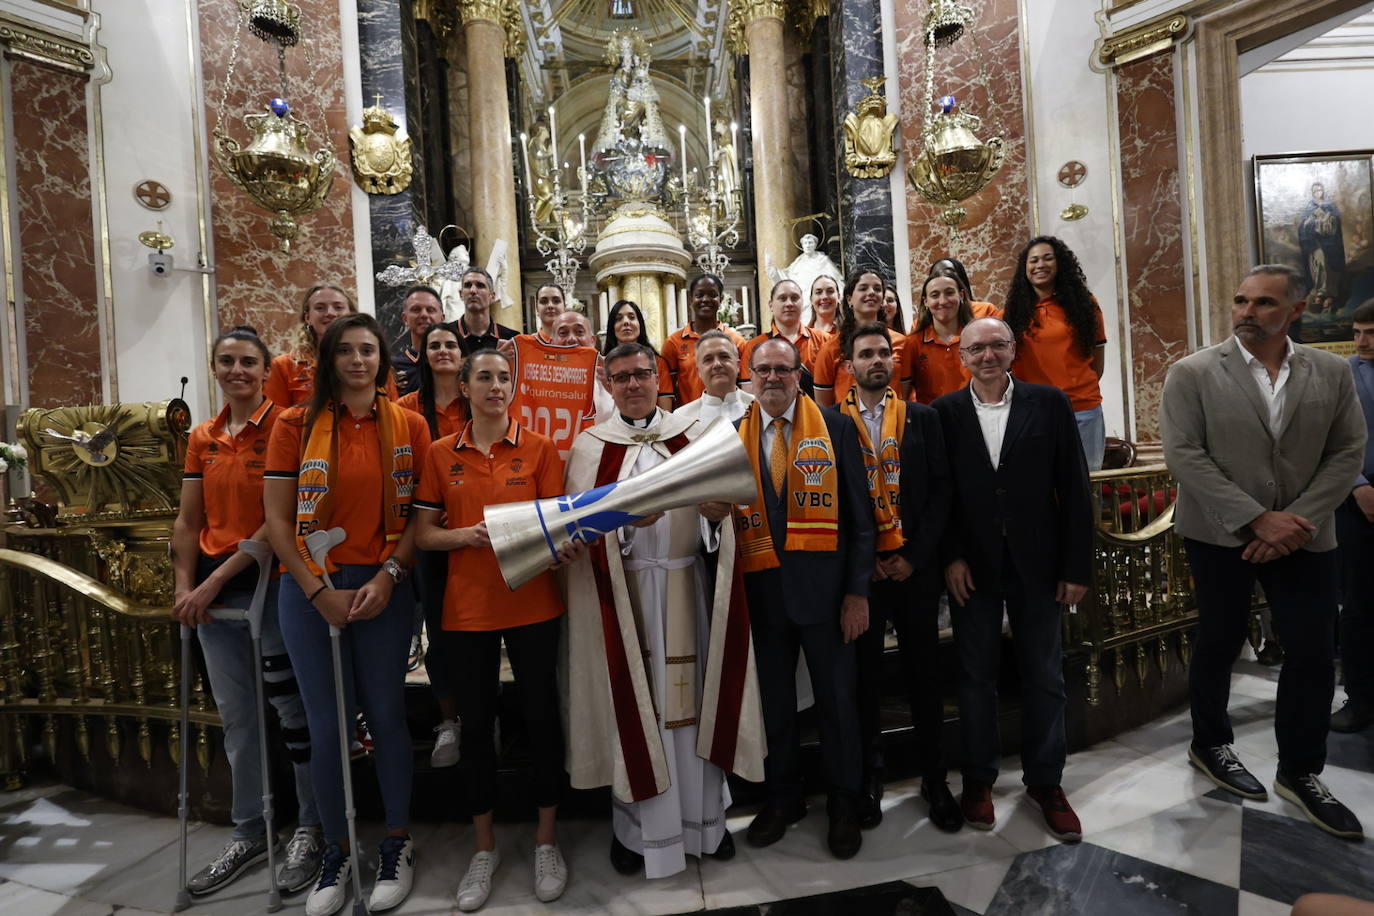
[329, 893]
[476, 885]
[550, 873]
[445, 753]
[395, 873]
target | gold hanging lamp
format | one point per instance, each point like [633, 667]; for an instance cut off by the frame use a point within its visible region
[953, 164]
[276, 168]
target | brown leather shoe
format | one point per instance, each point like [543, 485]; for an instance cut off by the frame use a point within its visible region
[976, 804]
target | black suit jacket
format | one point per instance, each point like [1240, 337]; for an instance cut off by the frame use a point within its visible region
[1037, 499]
[925, 486]
[810, 586]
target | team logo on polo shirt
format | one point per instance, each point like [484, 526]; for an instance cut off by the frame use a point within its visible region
[813, 460]
[311, 485]
[259, 446]
[516, 464]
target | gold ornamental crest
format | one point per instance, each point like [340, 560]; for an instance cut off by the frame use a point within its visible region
[870, 134]
[381, 153]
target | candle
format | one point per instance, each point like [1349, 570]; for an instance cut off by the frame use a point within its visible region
[682, 151]
[733, 128]
[744, 312]
[582, 159]
[553, 137]
[525, 155]
[710, 142]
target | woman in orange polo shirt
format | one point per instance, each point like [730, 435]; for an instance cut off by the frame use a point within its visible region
[221, 504]
[1060, 338]
[496, 460]
[932, 348]
[439, 399]
[348, 460]
[825, 302]
[862, 303]
[892, 308]
[292, 377]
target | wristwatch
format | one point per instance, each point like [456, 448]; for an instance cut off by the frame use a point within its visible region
[395, 570]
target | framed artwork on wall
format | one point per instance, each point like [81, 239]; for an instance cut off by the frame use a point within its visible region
[1314, 213]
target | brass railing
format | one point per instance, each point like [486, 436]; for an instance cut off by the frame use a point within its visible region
[85, 637]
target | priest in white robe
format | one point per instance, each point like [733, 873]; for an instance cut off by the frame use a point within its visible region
[718, 366]
[660, 690]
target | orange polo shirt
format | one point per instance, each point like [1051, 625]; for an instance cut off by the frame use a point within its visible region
[1047, 354]
[680, 353]
[450, 419]
[831, 373]
[554, 389]
[357, 479]
[230, 470]
[291, 381]
[934, 366]
[809, 345]
[461, 480]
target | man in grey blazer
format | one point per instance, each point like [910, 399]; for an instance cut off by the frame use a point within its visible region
[1264, 437]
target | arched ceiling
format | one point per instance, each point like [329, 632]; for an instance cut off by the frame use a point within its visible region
[565, 41]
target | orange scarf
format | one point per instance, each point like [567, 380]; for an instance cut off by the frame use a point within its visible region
[883, 465]
[813, 503]
[315, 481]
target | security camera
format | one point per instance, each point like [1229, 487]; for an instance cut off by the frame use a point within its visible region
[160, 263]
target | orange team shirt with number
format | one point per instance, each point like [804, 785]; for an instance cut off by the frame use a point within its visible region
[461, 480]
[449, 420]
[809, 343]
[554, 396]
[230, 470]
[933, 365]
[291, 381]
[831, 373]
[356, 481]
[1049, 355]
[680, 353]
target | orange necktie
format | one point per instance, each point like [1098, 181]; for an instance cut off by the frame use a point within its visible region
[777, 456]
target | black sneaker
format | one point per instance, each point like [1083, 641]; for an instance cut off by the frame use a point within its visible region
[1221, 765]
[1352, 717]
[236, 856]
[1316, 801]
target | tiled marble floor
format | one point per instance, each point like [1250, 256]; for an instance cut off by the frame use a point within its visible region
[1158, 839]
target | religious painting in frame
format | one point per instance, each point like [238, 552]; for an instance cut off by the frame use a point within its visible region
[1314, 213]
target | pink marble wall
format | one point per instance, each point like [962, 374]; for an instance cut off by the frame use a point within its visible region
[1153, 220]
[998, 221]
[256, 283]
[57, 245]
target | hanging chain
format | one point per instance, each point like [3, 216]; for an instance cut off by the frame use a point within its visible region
[228, 77]
[281, 67]
[930, 84]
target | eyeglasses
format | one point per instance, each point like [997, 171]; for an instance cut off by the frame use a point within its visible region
[779, 371]
[997, 346]
[639, 375]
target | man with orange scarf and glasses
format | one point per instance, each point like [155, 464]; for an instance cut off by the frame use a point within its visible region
[806, 547]
[908, 479]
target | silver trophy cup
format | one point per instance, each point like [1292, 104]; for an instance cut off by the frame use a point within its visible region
[526, 536]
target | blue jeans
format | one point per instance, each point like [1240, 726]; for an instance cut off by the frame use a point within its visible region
[374, 670]
[1092, 431]
[1035, 625]
[228, 651]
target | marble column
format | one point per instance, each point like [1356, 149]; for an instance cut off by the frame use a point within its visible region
[763, 31]
[1152, 216]
[493, 169]
[865, 204]
[386, 46]
[52, 174]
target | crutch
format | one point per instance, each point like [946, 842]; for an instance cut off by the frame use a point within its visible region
[319, 543]
[262, 553]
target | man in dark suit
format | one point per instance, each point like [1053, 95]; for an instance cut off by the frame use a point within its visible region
[1265, 439]
[1020, 533]
[909, 489]
[812, 600]
[1355, 545]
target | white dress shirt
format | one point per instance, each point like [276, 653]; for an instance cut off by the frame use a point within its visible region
[1272, 389]
[873, 419]
[992, 419]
